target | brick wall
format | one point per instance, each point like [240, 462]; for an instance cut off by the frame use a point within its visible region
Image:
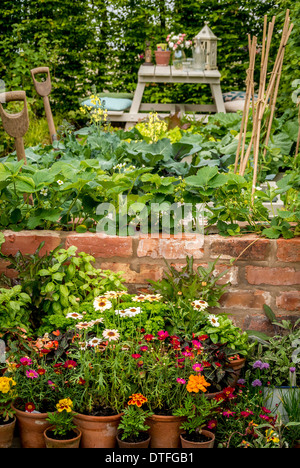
[266, 271]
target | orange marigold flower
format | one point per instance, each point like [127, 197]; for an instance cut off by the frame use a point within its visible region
[137, 399]
[196, 383]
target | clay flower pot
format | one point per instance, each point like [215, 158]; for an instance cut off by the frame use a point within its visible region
[7, 434]
[165, 431]
[162, 57]
[67, 443]
[98, 431]
[31, 428]
[207, 444]
[141, 444]
[236, 365]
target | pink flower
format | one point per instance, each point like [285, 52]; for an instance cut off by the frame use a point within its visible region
[228, 413]
[198, 367]
[144, 348]
[162, 335]
[197, 344]
[212, 424]
[25, 361]
[181, 381]
[32, 374]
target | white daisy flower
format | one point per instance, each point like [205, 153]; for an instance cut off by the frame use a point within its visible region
[74, 315]
[132, 311]
[94, 342]
[60, 182]
[110, 334]
[102, 303]
[199, 304]
[122, 313]
[139, 298]
[84, 325]
[213, 319]
[97, 321]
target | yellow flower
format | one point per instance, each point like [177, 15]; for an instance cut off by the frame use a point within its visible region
[196, 383]
[271, 436]
[6, 384]
[65, 404]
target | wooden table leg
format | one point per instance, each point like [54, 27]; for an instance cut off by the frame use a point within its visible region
[136, 102]
[218, 98]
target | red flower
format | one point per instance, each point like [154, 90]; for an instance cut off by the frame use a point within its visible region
[29, 407]
[218, 364]
[212, 424]
[136, 356]
[148, 337]
[81, 381]
[41, 371]
[70, 364]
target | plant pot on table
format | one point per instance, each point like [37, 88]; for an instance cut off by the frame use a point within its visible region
[162, 57]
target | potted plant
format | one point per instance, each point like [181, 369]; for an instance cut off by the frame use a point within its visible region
[132, 428]
[38, 385]
[62, 432]
[99, 388]
[7, 416]
[198, 410]
[157, 373]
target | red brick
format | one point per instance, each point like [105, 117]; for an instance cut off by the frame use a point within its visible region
[246, 247]
[28, 241]
[245, 299]
[142, 276]
[289, 300]
[288, 250]
[171, 247]
[273, 276]
[100, 245]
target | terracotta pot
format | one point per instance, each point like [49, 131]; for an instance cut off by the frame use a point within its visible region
[236, 365]
[7, 434]
[68, 443]
[31, 428]
[165, 431]
[207, 444]
[97, 431]
[162, 57]
[142, 444]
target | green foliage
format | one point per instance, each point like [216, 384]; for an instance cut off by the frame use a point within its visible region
[133, 423]
[56, 283]
[198, 410]
[14, 308]
[191, 283]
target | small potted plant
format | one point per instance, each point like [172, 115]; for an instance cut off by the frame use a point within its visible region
[7, 417]
[198, 410]
[132, 428]
[62, 432]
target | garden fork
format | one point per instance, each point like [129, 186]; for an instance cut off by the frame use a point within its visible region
[16, 125]
[44, 89]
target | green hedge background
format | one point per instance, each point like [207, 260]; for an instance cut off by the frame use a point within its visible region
[97, 43]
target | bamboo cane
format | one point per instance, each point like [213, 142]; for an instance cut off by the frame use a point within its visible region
[249, 86]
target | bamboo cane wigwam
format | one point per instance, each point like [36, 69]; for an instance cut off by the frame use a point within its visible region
[267, 96]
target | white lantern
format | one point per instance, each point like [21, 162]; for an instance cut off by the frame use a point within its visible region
[208, 42]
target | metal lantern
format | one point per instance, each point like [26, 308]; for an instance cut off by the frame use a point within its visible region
[208, 42]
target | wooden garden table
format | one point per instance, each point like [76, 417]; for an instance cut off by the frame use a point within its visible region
[169, 74]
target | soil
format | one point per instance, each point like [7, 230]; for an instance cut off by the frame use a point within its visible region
[68, 436]
[195, 437]
[3, 423]
[132, 440]
[100, 411]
